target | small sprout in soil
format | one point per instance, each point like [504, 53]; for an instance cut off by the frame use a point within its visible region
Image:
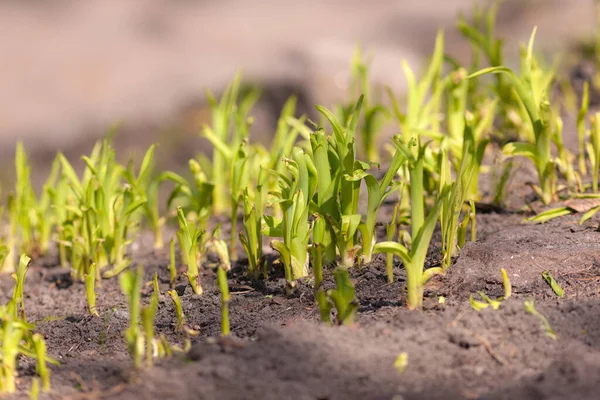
[220, 247]
[131, 285]
[90, 290]
[251, 237]
[189, 241]
[172, 265]
[401, 362]
[539, 115]
[553, 284]
[343, 298]
[422, 230]
[530, 308]
[148, 313]
[19, 277]
[479, 305]
[294, 198]
[178, 309]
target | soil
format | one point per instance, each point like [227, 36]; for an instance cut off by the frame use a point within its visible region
[280, 350]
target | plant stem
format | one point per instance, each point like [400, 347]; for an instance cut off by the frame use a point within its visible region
[225, 297]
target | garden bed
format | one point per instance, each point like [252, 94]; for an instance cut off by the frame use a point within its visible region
[280, 350]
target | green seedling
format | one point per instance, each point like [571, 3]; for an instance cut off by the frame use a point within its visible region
[421, 231]
[294, 199]
[581, 129]
[172, 265]
[31, 219]
[16, 339]
[90, 290]
[39, 346]
[454, 232]
[593, 150]
[148, 314]
[224, 266]
[178, 309]
[131, 285]
[100, 212]
[374, 114]
[378, 192]
[189, 241]
[530, 308]
[230, 123]
[343, 298]
[194, 198]
[391, 229]
[424, 96]
[339, 176]
[553, 284]
[19, 277]
[145, 186]
[401, 363]
[478, 305]
[251, 237]
[532, 95]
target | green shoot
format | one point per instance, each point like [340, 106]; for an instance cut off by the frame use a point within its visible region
[414, 259]
[479, 305]
[373, 115]
[338, 178]
[553, 284]
[530, 308]
[230, 123]
[294, 199]
[144, 186]
[131, 285]
[593, 149]
[378, 192]
[224, 266]
[189, 241]
[537, 109]
[581, 130]
[172, 265]
[39, 346]
[391, 230]
[342, 297]
[251, 236]
[90, 291]
[401, 363]
[19, 277]
[178, 309]
[148, 314]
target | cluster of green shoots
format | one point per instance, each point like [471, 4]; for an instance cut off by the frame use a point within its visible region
[313, 195]
[17, 337]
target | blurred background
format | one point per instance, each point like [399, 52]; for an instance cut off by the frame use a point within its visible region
[70, 69]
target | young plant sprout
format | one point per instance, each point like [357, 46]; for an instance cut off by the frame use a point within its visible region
[343, 298]
[131, 285]
[189, 241]
[172, 265]
[251, 237]
[539, 114]
[230, 124]
[148, 314]
[178, 309]
[421, 230]
[340, 173]
[145, 186]
[220, 247]
[19, 277]
[294, 199]
[90, 290]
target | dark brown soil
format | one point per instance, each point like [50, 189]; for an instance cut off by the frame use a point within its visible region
[281, 351]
